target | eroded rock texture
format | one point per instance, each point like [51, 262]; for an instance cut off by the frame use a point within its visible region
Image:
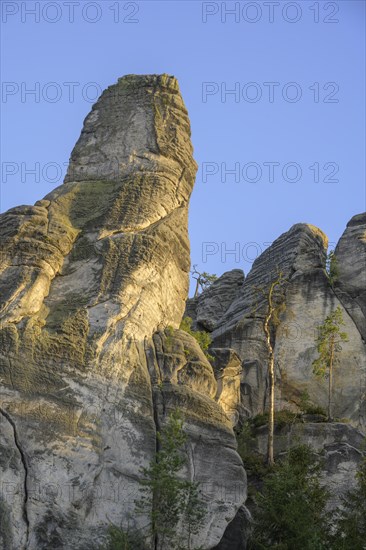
[351, 265]
[340, 447]
[91, 277]
[300, 255]
[240, 355]
[210, 306]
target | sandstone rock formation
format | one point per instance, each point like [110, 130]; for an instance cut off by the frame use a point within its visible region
[300, 255]
[340, 446]
[93, 283]
[208, 308]
[309, 295]
[350, 285]
[93, 286]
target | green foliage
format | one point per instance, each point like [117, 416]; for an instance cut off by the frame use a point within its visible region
[304, 401]
[118, 539]
[331, 267]
[245, 436]
[206, 279]
[306, 407]
[350, 530]
[194, 513]
[253, 462]
[259, 420]
[203, 280]
[166, 498]
[290, 510]
[329, 342]
[316, 409]
[5, 526]
[284, 417]
[203, 338]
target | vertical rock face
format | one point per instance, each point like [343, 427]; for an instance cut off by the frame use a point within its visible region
[351, 267]
[210, 306]
[340, 446]
[300, 255]
[90, 278]
[241, 357]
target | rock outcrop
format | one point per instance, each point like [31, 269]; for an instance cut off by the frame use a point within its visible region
[93, 287]
[339, 445]
[350, 284]
[309, 296]
[239, 349]
[93, 283]
[210, 306]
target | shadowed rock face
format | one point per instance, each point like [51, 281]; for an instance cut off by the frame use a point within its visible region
[340, 446]
[90, 278]
[210, 306]
[351, 264]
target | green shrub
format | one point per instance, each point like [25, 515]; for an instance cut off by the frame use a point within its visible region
[306, 407]
[203, 338]
[166, 498]
[331, 267]
[118, 539]
[315, 409]
[291, 509]
[283, 418]
[350, 521]
[259, 420]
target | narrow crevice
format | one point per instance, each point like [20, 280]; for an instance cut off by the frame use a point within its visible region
[345, 299]
[152, 357]
[25, 467]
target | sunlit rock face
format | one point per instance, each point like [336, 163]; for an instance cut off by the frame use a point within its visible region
[90, 279]
[300, 256]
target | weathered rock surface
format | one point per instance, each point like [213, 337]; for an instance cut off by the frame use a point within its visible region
[210, 306]
[300, 255]
[182, 377]
[93, 285]
[240, 353]
[350, 285]
[228, 369]
[90, 277]
[237, 532]
[340, 446]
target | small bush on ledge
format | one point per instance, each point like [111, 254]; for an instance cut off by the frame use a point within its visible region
[203, 338]
[118, 539]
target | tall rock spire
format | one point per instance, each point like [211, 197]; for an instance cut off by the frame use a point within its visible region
[88, 276]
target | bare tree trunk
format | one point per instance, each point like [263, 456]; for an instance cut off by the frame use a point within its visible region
[271, 320]
[271, 412]
[197, 288]
[330, 387]
[271, 378]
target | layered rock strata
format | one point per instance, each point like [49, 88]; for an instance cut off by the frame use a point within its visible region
[91, 277]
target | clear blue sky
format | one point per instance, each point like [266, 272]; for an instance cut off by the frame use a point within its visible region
[319, 46]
